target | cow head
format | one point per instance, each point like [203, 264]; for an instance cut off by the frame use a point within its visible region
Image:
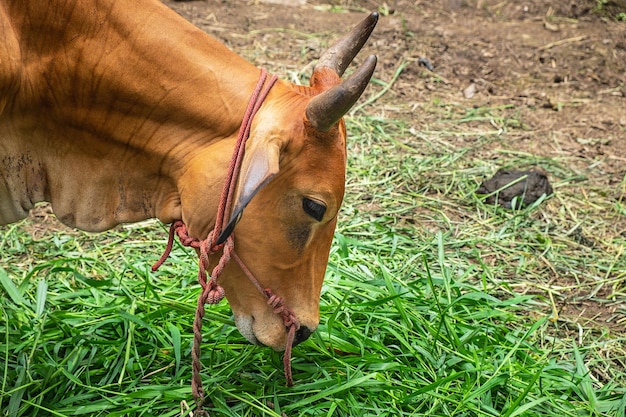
[291, 186]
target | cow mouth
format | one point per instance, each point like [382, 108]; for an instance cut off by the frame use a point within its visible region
[245, 325]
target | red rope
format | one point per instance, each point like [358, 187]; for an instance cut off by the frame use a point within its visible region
[212, 292]
[278, 306]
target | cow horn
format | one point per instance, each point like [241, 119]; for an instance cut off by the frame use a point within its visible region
[341, 54]
[327, 108]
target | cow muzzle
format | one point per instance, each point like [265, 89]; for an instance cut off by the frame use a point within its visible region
[270, 332]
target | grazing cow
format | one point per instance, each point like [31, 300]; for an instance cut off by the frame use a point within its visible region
[119, 111]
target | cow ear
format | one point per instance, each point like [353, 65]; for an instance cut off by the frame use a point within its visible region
[259, 166]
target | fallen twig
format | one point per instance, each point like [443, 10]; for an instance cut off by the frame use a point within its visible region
[562, 42]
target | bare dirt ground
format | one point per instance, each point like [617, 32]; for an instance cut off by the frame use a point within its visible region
[560, 65]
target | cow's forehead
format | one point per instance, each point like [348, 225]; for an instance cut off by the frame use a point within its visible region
[283, 119]
[312, 165]
[319, 156]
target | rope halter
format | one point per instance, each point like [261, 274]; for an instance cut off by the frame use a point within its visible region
[212, 292]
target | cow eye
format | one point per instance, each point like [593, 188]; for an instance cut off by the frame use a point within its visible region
[313, 208]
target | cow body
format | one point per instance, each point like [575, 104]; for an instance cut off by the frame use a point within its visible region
[120, 111]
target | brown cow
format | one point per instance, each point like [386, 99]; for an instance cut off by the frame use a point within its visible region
[119, 111]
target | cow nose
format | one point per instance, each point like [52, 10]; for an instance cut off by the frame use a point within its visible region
[301, 335]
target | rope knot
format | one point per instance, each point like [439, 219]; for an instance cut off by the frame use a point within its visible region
[276, 302]
[215, 294]
[291, 320]
[278, 305]
[209, 244]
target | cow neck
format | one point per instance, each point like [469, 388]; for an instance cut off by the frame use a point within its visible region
[212, 292]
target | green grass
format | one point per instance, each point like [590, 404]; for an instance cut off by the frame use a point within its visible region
[434, 304]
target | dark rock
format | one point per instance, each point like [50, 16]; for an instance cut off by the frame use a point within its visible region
[505, 185]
